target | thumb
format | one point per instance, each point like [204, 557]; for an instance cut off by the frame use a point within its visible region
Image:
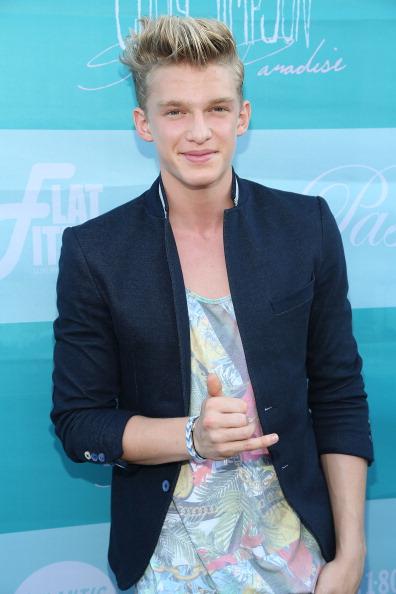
[214, 385]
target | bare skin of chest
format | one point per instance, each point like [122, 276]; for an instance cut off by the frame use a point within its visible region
[203, 263]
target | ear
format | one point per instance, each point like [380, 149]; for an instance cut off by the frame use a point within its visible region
[244, 118]
[142, 124]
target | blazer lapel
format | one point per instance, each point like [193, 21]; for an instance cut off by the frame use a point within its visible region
[181, 312]
[248, 260]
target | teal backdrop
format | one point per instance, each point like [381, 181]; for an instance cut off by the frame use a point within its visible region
[322, 80]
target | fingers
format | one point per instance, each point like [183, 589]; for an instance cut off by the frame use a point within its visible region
[221, 402]
[264, 441]
[242, 436]
[224, 428]
[217, 443]
[225, 404]
[236, 419]
[225, 420]
[214, 385]
[232, 434]
[230, 449]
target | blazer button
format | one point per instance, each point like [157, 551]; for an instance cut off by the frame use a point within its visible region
[165, 486]
[94, 457]
[87, 455]
[101, 457]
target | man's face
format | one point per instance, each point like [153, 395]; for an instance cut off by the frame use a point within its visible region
[194, 116]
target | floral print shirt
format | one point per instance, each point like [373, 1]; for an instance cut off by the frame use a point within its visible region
[229, 528]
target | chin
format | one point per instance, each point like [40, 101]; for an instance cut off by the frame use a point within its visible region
[202, 177]
[199, 181]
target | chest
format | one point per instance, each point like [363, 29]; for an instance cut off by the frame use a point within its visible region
[203, 264]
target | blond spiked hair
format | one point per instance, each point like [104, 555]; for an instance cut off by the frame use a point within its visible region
[179, 40]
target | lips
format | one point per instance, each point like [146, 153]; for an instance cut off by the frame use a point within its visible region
[198, 156]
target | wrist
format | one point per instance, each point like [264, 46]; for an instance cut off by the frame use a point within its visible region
[193, 437]
[190, 445]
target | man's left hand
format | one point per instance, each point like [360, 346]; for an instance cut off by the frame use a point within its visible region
[340, 576]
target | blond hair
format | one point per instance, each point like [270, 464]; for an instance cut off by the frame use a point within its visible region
[175, 40]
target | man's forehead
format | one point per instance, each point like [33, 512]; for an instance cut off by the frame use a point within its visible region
[183, 84]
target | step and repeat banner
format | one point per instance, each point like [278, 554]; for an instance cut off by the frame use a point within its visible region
[322, 81]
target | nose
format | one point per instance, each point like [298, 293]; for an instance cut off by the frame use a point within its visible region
[199, 130]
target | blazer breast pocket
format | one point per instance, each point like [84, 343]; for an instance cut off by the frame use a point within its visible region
[294, 299]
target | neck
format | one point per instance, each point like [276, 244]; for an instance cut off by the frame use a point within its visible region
[197, 209]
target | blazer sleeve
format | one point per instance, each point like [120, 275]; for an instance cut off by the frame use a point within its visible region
[337, 398]
[86, 374]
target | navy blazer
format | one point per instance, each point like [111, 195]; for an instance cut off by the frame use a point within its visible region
[123, 348]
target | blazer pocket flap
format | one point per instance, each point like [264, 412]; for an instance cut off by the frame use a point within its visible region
[294, 299]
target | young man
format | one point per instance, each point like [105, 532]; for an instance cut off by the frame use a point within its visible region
[204, 348]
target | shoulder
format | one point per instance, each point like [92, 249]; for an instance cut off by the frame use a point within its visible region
[107, 235]
[282, 207]
[276, 197]
[114, 220]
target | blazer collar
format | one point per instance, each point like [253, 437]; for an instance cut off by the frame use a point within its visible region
[157, 201]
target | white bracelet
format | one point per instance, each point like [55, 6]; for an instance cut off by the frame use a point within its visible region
[190, 442]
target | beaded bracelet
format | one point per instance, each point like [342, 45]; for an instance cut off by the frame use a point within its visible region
[190, 442]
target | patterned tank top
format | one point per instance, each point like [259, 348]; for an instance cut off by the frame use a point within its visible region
[229, 528]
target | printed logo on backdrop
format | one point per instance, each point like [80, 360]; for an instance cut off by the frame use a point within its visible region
[360, 199]
[68, 576]
[276, 38]
[50, 203]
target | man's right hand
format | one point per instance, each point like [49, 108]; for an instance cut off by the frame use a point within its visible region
[223, 429]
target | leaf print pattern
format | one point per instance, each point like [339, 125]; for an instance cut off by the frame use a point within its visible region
[229, 528]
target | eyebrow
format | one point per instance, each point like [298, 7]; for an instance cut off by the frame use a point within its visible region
[176, 103]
